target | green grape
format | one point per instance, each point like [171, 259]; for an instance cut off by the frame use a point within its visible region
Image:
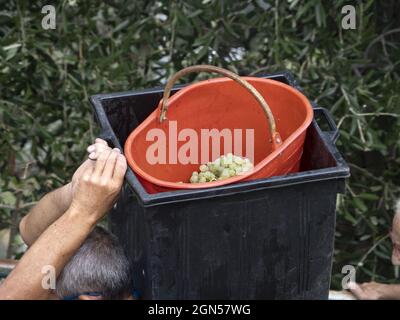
[208, 174]
[238, 160]
[225, 174]
[229, 159]
[213, 168]
[222, 161]
[224, 167]
[238, 170]
[203, 168]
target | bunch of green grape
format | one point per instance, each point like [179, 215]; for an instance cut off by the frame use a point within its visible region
[222, 168]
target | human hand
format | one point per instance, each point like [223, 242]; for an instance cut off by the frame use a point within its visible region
[369, 290]
[98, 186]
[97, 148]
[94, 151]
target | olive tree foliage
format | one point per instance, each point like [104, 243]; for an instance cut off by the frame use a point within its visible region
[46, 77]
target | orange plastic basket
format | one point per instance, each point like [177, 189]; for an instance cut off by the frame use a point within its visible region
[220, 103]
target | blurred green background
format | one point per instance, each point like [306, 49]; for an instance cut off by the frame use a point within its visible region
[46, 77]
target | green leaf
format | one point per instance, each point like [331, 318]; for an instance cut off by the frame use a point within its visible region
[360, 204]
[8, 198]
[369, 196]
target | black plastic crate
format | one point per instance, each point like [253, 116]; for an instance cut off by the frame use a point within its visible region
[263, 239]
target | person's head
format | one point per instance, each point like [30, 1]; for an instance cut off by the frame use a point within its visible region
[395, 235]
[98, 270]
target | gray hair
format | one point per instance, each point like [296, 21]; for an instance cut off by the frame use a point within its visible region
[99, 265]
